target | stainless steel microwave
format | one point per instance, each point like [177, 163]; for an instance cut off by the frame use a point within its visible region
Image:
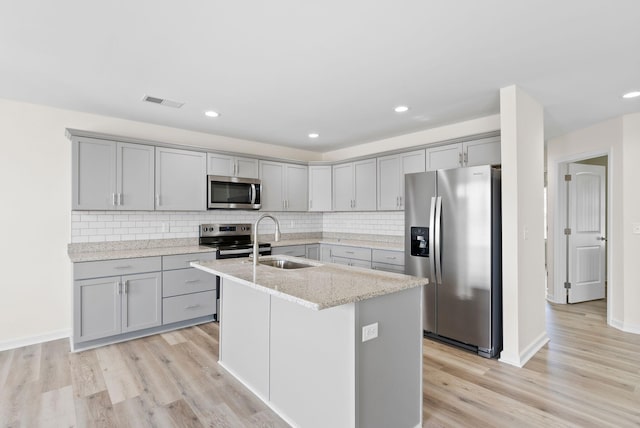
[233, 193]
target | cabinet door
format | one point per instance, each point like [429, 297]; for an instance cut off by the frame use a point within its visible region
[313, 251]
[320, 188]
[296, 187]
[365, 185]
[246, 167]
[410, 163]
[272, 176]
[389, 182]
[218, 164]
[482, 152]
[135, 175]
[93, 174]
[444, 157]
[325, 253]
[343, 187]
[141, 301]
[180, 180]
[96, 305]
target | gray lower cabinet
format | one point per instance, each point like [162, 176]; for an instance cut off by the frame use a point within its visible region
[187, 292]
[387, 260]
[118, 304]
[351, 256]
[313, 251]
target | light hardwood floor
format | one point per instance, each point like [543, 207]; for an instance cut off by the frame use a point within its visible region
[588, 375]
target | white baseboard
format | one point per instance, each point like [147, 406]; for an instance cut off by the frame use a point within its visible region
[524, 356]
[33, 340]
[626, 327]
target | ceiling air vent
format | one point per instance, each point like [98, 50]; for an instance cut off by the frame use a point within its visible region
[162, 101]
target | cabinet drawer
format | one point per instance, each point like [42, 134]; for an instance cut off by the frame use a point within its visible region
[351, 252]
[182, 261]
[116, 267]
[351, 262]
[290, 250]
[186, 281]
[387, 267]
[388, 256]
[180, 308]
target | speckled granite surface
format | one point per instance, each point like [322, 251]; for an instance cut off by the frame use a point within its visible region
[131, 249]
[86, 252]
[322, 286]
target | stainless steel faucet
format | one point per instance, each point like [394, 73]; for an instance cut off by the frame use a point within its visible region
[256, 253]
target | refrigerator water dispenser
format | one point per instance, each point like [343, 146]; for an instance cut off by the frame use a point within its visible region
[420, 241]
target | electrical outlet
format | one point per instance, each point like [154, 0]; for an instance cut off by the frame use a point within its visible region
[369, 332]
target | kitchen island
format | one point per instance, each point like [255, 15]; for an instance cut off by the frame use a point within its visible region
[324, 345]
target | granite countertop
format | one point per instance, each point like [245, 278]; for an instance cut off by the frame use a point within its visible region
[90, 256]
[379, 245]
[128, 250]
[322, 286]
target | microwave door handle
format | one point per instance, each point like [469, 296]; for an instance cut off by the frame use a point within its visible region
[252, 194]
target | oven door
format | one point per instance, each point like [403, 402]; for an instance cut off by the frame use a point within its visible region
[233, 192]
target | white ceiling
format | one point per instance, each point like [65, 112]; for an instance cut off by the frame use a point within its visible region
[277, 70]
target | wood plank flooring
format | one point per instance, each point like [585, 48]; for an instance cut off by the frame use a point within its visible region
[588, 375]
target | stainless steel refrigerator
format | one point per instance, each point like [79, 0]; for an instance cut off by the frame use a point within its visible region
[453, 238]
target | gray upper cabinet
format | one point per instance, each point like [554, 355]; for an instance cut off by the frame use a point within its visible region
[231, 166]
[110, 175]
[284, 186]
[180, 180]
[354, 186]
[391, 171]
[320, 188]
[485, 151]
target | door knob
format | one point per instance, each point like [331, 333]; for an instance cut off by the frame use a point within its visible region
[601, 238]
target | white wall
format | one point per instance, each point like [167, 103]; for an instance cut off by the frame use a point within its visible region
[605, 137]
[631, 215]
[522, 151]
[35, 219]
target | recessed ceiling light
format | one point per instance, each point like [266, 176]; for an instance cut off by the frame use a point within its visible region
[401, 109]
[211, 113]
[314, 135]
[632, 94]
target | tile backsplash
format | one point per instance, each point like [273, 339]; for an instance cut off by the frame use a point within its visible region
[101, 226]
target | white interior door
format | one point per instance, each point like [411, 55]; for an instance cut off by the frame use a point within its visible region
[587, 238]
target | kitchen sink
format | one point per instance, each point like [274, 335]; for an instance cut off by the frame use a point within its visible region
[284, 264]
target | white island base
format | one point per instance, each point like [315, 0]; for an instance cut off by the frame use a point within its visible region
[312, 367]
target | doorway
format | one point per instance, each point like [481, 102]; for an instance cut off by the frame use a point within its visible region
[582, 255]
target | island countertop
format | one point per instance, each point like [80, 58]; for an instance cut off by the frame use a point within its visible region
[321, 286]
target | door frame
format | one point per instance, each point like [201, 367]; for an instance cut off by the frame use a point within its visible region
[560, 215]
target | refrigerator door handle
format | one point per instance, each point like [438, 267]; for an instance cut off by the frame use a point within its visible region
[437, 260]
[432, 259]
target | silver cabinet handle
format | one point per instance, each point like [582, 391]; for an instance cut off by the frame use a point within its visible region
[113, 199]
[391, 257]
[235, 167]
[460, 159]
[119, 287]
[123, 267]
[192, 306]
[349, 252]
[126, 287]
[400, 197]
[191, 281]
[120, 198]
[466, 157]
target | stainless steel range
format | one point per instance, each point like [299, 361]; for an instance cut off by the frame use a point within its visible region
[231, 241]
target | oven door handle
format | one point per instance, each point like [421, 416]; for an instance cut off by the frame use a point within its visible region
[242, 251]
